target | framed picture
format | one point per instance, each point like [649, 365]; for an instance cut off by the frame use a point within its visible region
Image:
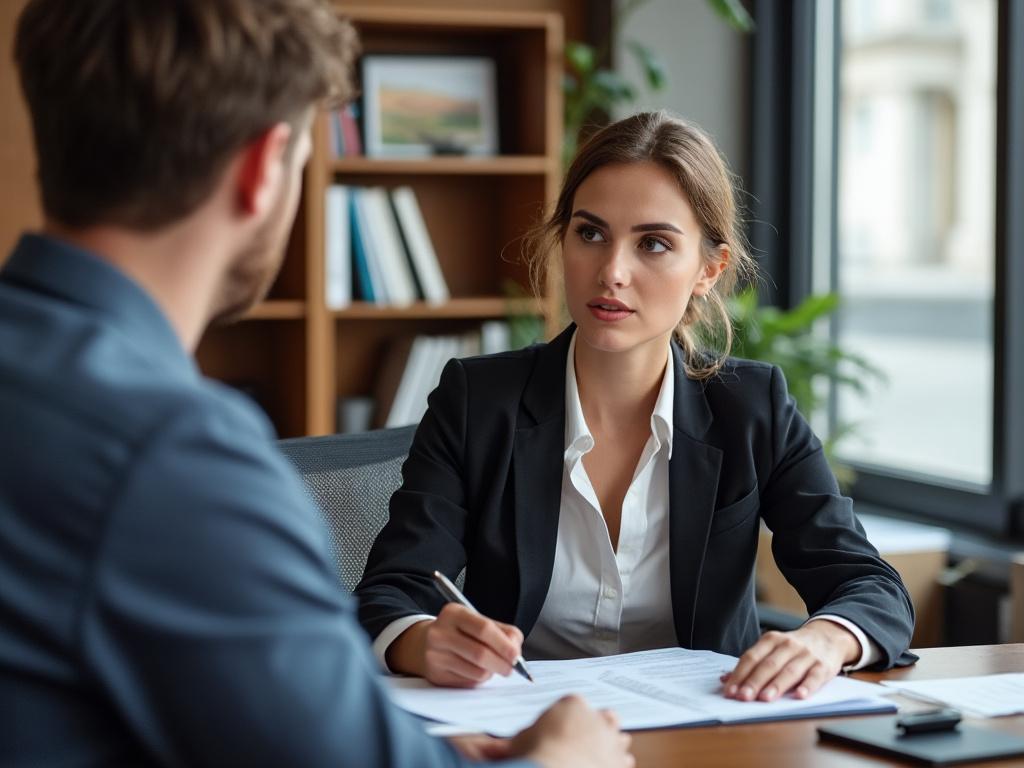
[417, 106]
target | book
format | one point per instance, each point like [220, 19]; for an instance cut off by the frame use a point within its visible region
[389, 377]
[345, 140]
[441, 350]
[349, 127]
[337, 248]
[407, 392]
[387, 250]
[418, 245]
[367, 247]
[495, 336]
[354, 414]
[364, 288]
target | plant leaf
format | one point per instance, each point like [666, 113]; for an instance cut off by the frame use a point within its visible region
[733, 13]
[581, 57]
[652, 66]
[612, 86]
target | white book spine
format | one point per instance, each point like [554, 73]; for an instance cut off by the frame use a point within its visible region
[441, 350]
[408, 387]
[495, 336]
[337, 249]
[421, 248]
[390, 252]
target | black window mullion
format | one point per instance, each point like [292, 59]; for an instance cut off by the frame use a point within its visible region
[1008, 401]
[782, 79]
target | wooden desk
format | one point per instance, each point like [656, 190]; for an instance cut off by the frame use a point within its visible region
[794, 744]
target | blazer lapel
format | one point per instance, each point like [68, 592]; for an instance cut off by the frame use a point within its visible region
[537, 469]
[693, 487]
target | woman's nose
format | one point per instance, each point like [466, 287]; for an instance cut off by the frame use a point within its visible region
[614, 271]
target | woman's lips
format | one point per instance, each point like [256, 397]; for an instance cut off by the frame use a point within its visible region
[609, 310]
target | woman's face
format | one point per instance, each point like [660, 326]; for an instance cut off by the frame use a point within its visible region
[632, 257]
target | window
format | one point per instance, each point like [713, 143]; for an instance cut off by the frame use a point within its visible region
[915, 191]
[888, 165]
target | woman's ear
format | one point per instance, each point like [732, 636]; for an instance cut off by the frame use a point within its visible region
[713, 269]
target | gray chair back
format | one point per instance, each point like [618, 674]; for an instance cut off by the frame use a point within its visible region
[351, 478]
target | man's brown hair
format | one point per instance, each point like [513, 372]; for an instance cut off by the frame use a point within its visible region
[138, 105]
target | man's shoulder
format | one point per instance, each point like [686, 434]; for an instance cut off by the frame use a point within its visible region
[84, 399]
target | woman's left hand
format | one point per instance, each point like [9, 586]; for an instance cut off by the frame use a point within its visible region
[800, 661]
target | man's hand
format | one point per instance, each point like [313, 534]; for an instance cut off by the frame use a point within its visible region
[571, 733]
[481, 748]
[800, 661]
[459, 649]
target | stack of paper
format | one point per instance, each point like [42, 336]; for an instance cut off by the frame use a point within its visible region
[982, 696]
[648, 689]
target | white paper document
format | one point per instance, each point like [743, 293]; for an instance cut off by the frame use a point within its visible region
[648, 689]
[983, 696]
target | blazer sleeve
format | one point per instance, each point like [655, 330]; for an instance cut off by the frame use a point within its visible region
[214, 620]
[818, 543]
[426, 529]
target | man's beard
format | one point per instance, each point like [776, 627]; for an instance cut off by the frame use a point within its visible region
[252, 271]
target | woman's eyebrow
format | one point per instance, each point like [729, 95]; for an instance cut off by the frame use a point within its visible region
[660, 225]
[653, 227]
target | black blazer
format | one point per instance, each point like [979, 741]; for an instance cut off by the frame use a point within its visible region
[482, 489]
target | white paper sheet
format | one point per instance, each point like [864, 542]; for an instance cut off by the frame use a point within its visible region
[982, 696]
[649, 689]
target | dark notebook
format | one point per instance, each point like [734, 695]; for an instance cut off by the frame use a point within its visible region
[963, 744]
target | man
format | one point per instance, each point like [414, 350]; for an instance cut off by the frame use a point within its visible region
[166, 593]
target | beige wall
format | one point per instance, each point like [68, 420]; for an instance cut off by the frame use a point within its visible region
[707, 63]
[19, 198]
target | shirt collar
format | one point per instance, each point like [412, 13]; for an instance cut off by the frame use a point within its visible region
[57, 268]
[579, 440]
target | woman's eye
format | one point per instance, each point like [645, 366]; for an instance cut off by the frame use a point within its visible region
[591, 235]
[653, 245]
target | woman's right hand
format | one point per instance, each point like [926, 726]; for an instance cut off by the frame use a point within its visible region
[458, 649]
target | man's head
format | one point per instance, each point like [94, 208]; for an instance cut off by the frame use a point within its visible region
[141, 110]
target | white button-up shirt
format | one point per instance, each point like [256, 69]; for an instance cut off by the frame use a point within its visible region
[601, 601]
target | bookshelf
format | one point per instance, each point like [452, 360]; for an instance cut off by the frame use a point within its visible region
[295, 355]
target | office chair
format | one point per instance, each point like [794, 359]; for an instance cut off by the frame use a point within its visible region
[351, 478]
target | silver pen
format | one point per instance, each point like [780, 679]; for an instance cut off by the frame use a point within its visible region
[453, 595]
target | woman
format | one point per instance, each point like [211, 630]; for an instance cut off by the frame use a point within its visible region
[604, 491]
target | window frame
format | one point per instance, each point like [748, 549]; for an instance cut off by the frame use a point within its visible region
[788, 85]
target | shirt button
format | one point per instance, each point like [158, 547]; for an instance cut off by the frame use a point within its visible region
[610, 594]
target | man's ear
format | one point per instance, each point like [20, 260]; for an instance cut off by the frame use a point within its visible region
[712, 271]
[262, 169]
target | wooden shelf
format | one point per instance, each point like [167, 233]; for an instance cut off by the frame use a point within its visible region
[277, 309]
[295, 355]
[509, 165]
[445, 19]
[473, 308]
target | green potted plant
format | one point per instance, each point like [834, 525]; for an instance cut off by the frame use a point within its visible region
[808, 360]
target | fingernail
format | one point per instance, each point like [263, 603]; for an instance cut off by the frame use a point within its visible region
[731, 690]
[769, 693]
[747, 693]
[801, 692]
